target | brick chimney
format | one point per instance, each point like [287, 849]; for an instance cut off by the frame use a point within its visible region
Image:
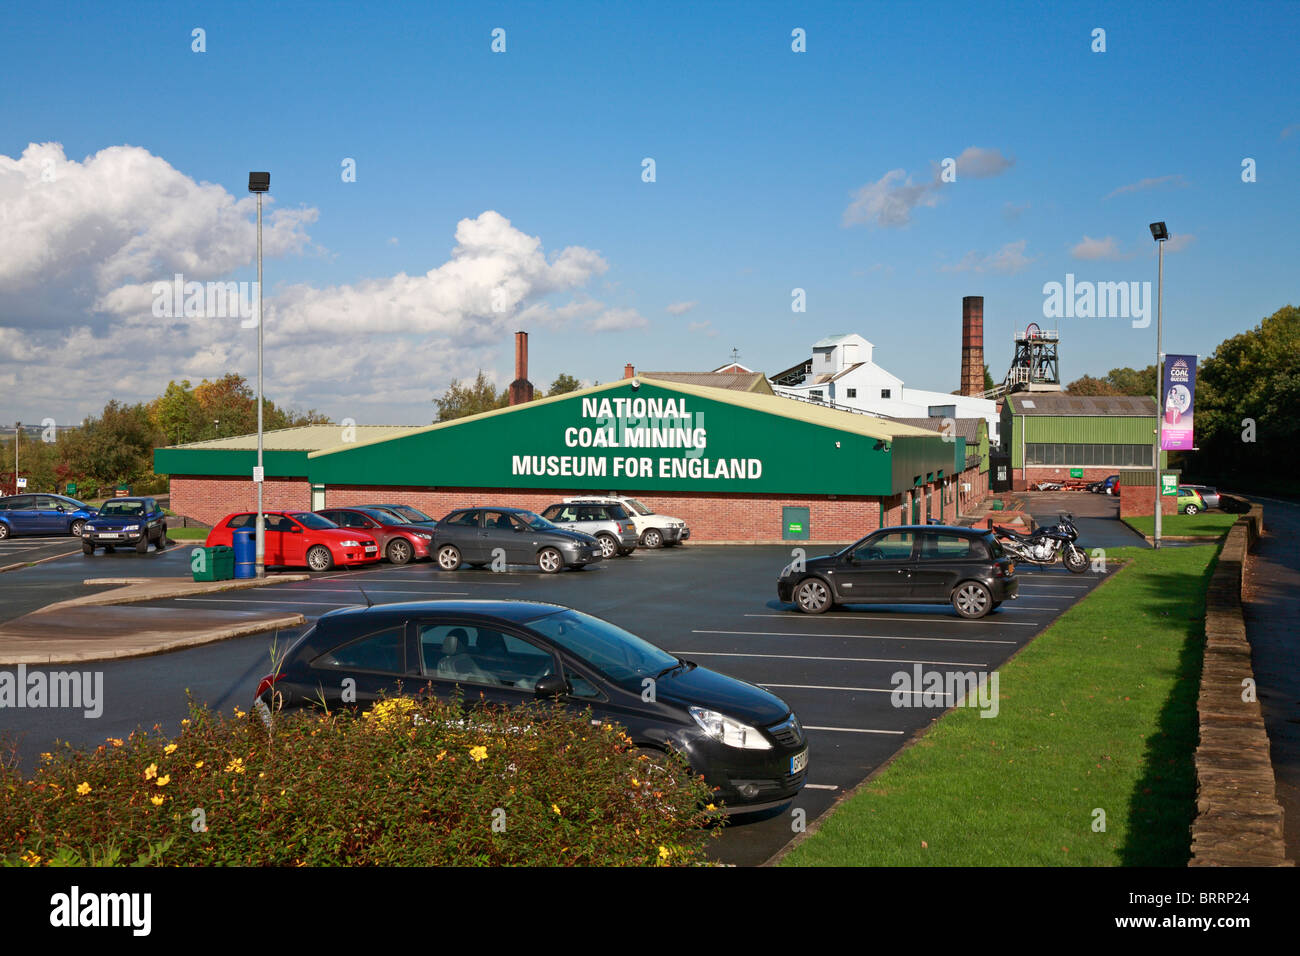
[972, 345]
[521, 390]
[629, 371]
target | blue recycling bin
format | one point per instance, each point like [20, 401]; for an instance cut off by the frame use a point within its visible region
[245, 542]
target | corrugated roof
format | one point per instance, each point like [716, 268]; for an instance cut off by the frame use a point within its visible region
[967, 428]
[301, 438]
[736, 381]
[809, 412]
[1055, 403]
[832, 340]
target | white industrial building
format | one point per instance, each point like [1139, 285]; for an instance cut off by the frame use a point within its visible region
[842, 373]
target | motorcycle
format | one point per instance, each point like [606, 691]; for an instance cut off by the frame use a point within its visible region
[1046, 544]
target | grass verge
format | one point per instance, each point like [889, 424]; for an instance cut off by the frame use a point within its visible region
[1097, 714]
[1205, 523]
[188, 534]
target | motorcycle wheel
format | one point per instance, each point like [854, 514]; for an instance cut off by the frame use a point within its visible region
[1075, 560]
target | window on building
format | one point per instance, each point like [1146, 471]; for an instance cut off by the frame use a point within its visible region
[816, 395]
[851, 392]
[1084, 454]
[884, 393]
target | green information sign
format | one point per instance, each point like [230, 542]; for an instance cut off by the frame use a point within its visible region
[1076, 472]
[1169, 484]
[795, 527]
[72, 488]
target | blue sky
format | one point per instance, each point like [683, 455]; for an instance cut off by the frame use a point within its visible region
[759, 153]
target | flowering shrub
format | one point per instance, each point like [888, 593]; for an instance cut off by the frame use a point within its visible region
[414, 782]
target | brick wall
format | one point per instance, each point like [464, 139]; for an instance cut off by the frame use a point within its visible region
[209, 499]
[724, 517]
[1137, 500]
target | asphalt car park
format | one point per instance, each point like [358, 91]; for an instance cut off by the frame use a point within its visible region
[835, 669]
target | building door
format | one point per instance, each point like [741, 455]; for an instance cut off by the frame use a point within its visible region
[317, 497]
[916, 507]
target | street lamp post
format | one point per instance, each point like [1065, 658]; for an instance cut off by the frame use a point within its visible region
[1160, 233]
[17, 427]
[259, 183]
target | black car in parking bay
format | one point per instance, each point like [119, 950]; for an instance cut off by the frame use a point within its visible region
[121, 521]
[745, 741]
[478, 536]
[909, 564]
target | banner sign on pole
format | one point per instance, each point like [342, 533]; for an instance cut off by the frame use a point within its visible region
[1179, 395]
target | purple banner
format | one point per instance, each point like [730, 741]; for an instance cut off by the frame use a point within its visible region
[1177, 405]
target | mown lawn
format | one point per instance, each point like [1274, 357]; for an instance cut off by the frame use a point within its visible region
[1097, 714]
[187, 534]
[1207, 523]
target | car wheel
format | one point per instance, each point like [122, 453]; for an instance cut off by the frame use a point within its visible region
[161, 543]
[319, 558]
[4, 531]
[813, 596]
[399, 551]
[142, 545]
[75, 529]
[608, 545]
[972, 599]
[1191, 510]
[86, 547]
[449, 557]
[653, 538]
[550, 560]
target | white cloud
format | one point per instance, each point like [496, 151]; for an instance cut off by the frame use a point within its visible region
[1179, 241]
[1089, 248]
[705, 327]
[1151, 182]
[618, 320]
[889, 201]
[979, 163]
[681, 308]
[1009, 259]
[1012, 211]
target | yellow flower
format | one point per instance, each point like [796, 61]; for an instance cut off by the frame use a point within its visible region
[83, 788]
[710, 807]
[441, 754]
[151, 771]
[164, 780]
[478, 753]
[235, 766]
[47, 757]
[169, 749]
[239, 713]
[636, 782]
[198, 765]
[157, 801]
[664, 852]
[115, 741]
[30, 858]
[261, 776]
[555, 808]
[185, 721]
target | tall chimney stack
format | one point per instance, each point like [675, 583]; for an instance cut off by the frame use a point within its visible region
[629, 371]
[972, 345]
[521, 390]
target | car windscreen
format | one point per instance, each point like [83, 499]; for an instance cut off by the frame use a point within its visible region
[309, 520]
[411, 514]
[535, 521]
[123, 509]
[640, 508]
[72, 504]
[619, 655]
[383, 517]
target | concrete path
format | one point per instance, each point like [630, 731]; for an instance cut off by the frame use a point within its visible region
[1272, 612]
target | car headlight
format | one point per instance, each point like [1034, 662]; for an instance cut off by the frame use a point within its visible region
[88, 527]
[421, 534]
[350, 544]
[132, 527]
[731, 732]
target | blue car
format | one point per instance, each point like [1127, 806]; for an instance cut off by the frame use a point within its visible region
[133, 521]
[43, 514]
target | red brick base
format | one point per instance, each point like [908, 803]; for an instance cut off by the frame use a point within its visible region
[728, 517]
[1140, 500]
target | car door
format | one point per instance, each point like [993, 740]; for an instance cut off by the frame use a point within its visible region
[274, 525]
[49, 519]
[498, 532]
[461, 528]
[23, 514]
[941, 561]
[375, 662]
[488, 663]
[293, 542]
[878, 570]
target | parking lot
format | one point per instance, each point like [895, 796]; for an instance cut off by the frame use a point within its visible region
[715, 605]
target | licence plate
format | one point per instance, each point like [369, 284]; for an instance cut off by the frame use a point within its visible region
[371, 547]
[110, 534]
[798, 762]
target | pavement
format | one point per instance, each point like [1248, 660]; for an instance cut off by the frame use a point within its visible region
[1272, 613]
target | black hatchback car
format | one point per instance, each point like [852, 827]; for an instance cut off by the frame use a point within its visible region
[477, 536]
[745, 741]
[911, 564]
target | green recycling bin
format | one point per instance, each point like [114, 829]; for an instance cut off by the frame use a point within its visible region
[213, 564]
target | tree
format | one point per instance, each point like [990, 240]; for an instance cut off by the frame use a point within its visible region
[115, 447]
[563, 384]
[462, 400]
[1128, 381]
[988, 380]
[1087, 385]
[177, 414]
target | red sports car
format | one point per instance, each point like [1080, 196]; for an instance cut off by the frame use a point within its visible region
[399, 540]
[296, 539]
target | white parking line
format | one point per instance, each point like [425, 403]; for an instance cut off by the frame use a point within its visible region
[295, 589]
[216, 600]
[861, 619]
[866, 690]
[808, 657]
[820, 786]
[871, 637]
[853, 730]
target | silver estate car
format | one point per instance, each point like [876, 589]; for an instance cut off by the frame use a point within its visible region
[610, 524]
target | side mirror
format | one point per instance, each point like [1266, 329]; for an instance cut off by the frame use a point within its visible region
[552, 685]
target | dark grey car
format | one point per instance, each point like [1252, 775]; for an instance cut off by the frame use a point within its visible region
[481, 536]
